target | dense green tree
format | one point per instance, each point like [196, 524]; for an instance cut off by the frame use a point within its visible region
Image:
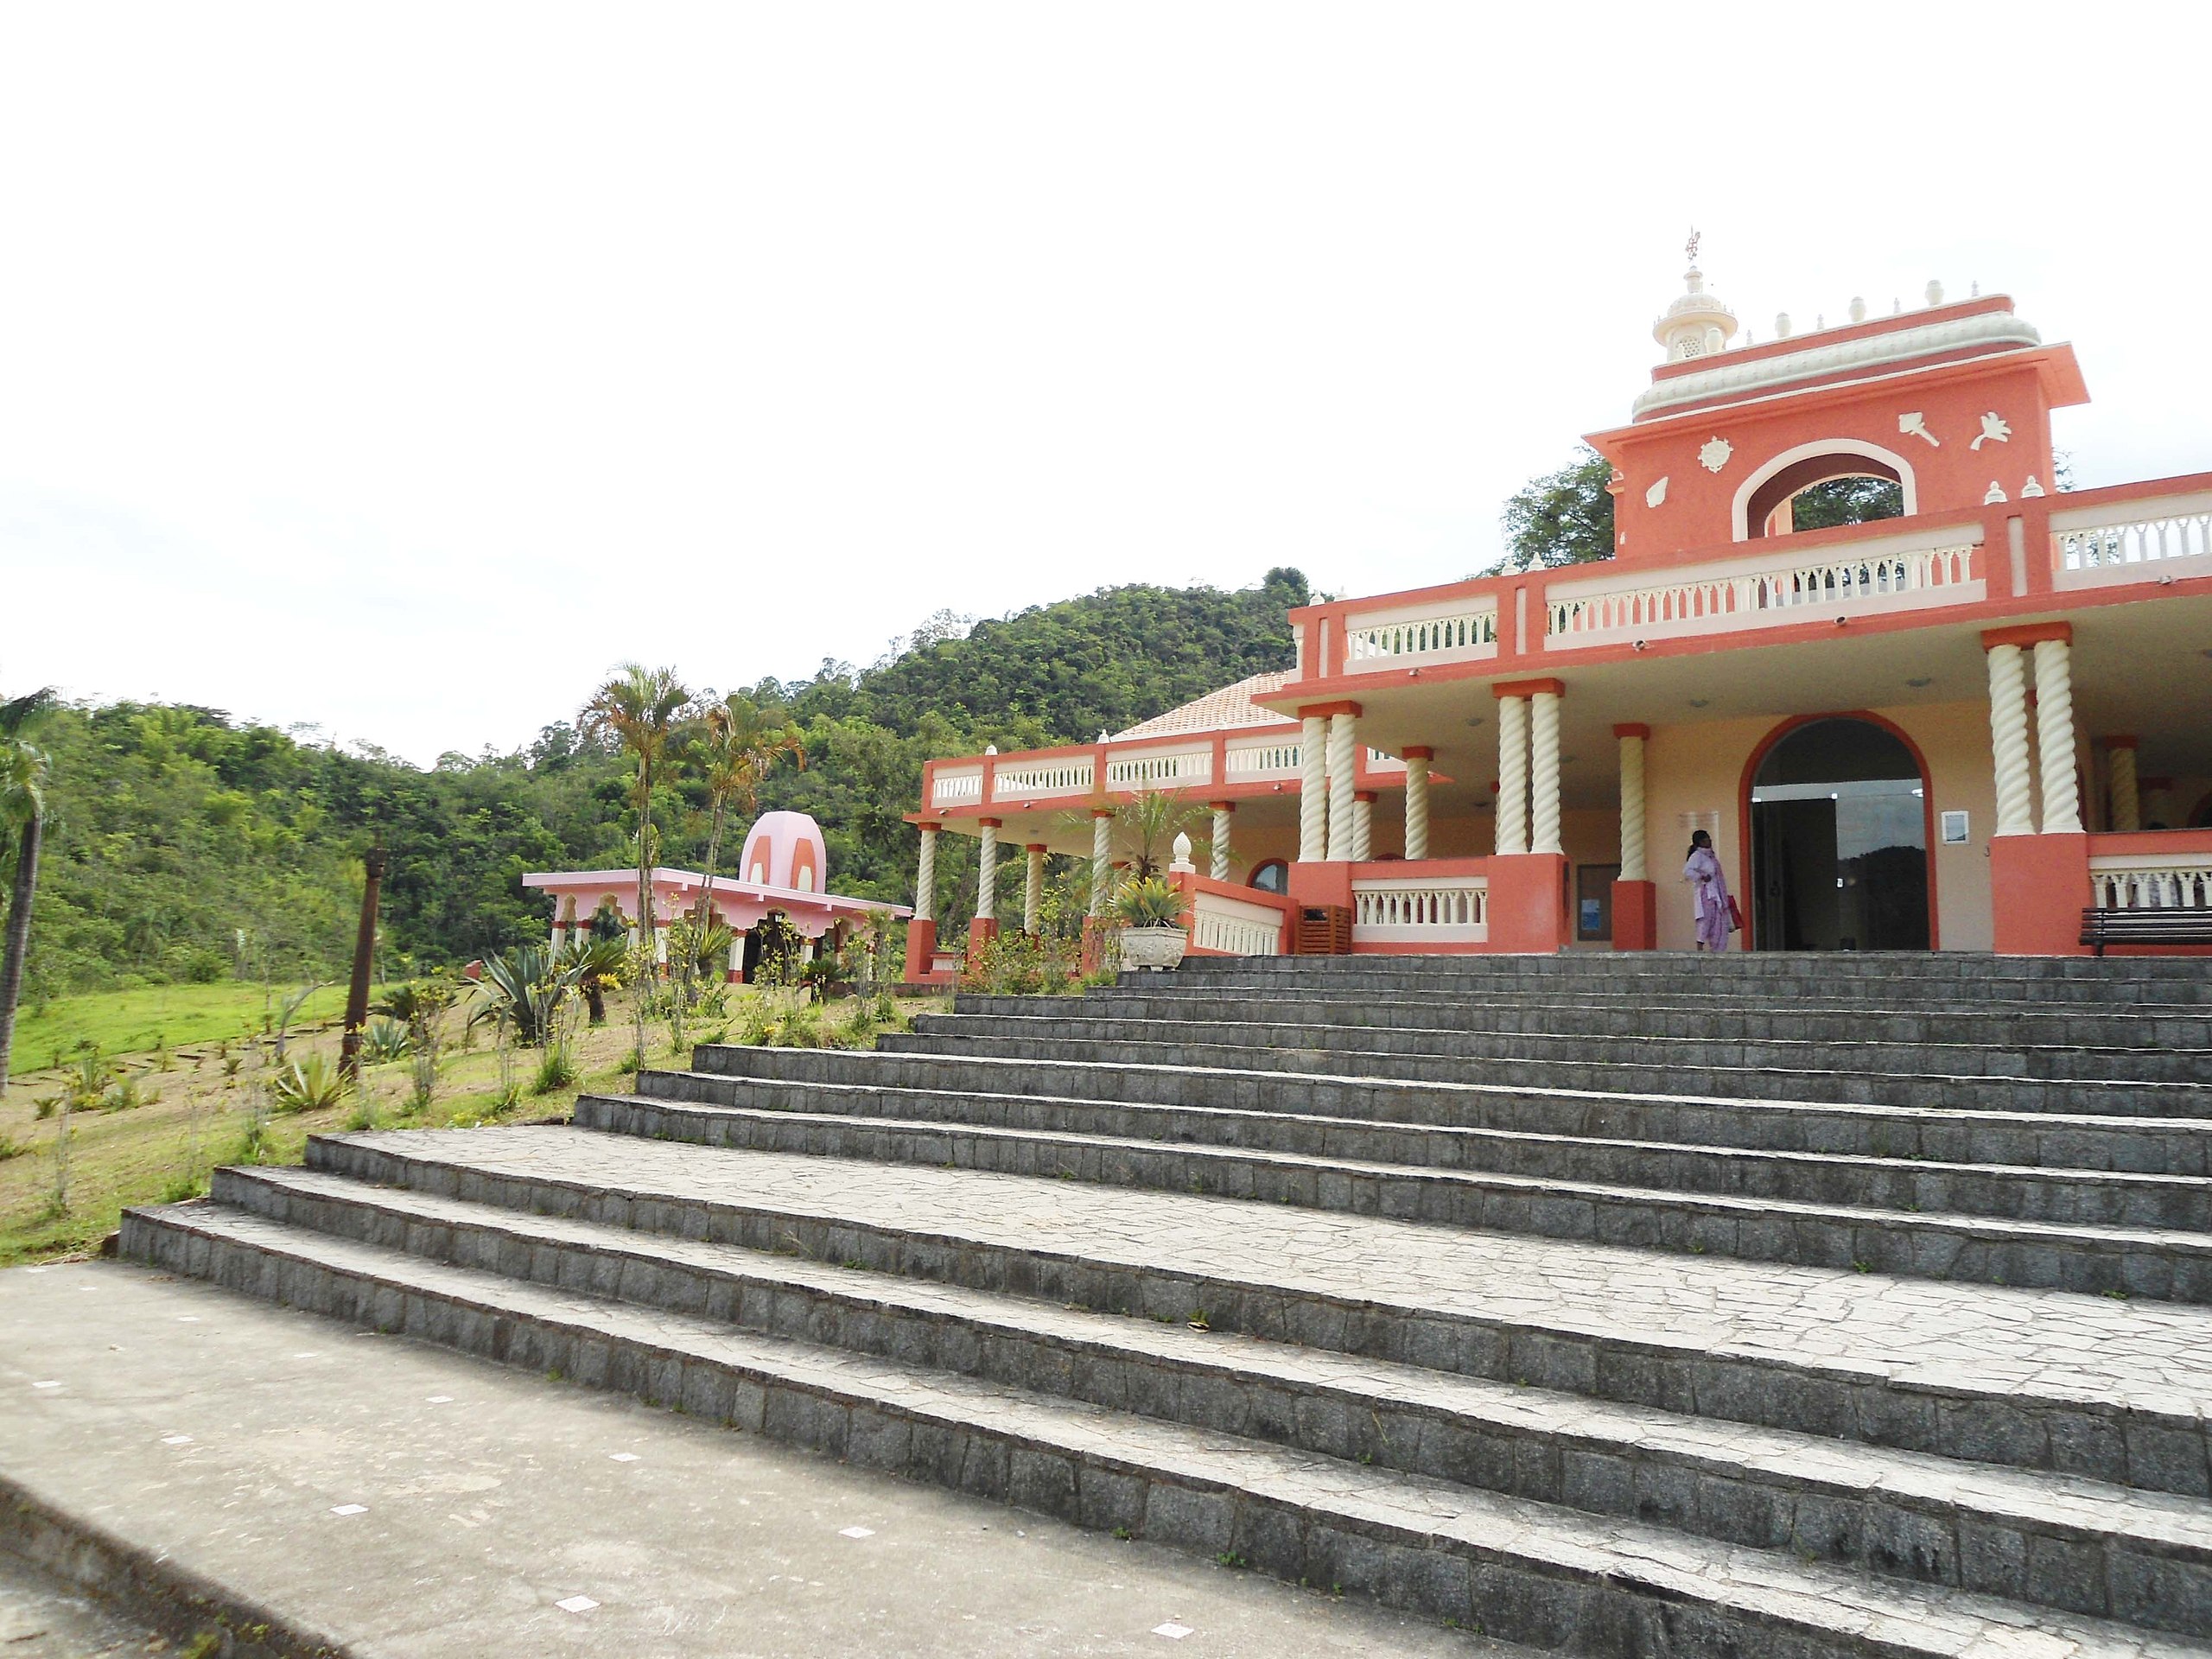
[1563, 517]
[1845, 501]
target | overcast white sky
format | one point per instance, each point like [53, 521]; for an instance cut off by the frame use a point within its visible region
[399, 369]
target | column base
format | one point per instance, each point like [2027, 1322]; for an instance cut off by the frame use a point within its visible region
[1635, 916]
[2038, 887]
[921, 946]
[1528, 904]
[980, 932]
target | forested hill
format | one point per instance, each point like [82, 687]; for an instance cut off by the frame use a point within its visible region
[184, 844]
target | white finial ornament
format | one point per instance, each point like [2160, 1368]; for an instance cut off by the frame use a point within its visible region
[1858, 308]
[1697, 324]
[1781, 325]
[1934, 291]
[2031, 488]
[1996, 494]
[1182, 853]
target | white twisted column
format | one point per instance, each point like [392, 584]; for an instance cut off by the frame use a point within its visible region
[1544, 768]
[1313, 792]
[926, 876]
[1343, 754]
[1363, 825]
[1102, 863]
[1632, 849]
[2127, 795]
[1223, 813]
[987, 872]
[1032, 891]
[1512, 775]
[1416, 804]
[2061, 789]
[2008, 738]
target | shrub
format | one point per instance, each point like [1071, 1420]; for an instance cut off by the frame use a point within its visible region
[557, 1069]
[1148, 903]
[307, 1084]
[11, 1148]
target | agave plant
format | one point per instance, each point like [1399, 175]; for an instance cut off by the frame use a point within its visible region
[307, 1083]
[523, 988]
[385, 1040]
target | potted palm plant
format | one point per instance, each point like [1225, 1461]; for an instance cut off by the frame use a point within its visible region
[1149, 911]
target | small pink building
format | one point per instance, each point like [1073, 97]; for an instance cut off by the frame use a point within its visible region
[783, 871]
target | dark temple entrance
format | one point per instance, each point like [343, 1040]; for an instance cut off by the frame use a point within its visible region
[1839, 842]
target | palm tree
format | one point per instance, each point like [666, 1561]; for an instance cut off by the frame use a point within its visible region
[22, 815]
[641, 708]
[743, 744]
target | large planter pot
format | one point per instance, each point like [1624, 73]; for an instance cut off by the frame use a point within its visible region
[1152, 947]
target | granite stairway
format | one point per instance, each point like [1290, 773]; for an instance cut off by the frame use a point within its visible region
[1458, 1283]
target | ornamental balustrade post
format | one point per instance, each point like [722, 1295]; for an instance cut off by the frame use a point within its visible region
[987, 871]
[1223, 815]
[1512, 776]
[2008, 736]
[2054, 740]
[1313, 790]
[2126, 796]
[1417, 760]
[1543, 764]
[1343, 751]
[1632, 843]
[1033, 890]
[1102, 861]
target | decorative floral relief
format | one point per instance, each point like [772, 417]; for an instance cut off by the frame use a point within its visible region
[1915, 425]
[1656, 494]
[1714, 456]
[1994, 430]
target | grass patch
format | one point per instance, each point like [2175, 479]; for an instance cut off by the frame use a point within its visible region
[156, 1016]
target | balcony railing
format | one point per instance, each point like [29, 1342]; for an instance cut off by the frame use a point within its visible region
[957, 788]
[1461, 631]
[2151, 880]
[1170, 770]
[1768, 591]
[1266, 759]
[2157, 540]
[1050, 778]
[1420, 910]
[1234, 926]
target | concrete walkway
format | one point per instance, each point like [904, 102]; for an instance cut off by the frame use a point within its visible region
[430, 1504]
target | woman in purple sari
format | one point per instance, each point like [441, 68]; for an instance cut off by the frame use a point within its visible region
[1710, 887]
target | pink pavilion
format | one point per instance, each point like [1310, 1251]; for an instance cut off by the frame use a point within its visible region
[783, 871]
[1983, 726]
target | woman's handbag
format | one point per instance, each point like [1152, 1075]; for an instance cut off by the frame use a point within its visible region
[1735, 915]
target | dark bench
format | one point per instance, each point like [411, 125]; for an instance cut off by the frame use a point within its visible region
[2181, 924]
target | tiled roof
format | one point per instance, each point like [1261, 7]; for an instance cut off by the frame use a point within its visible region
[1230, 706]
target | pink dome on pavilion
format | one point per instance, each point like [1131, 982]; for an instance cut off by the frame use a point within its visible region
[785, 849]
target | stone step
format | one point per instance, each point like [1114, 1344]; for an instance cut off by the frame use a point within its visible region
[1834, 1084]
[1527, 1571]
[2110, 1390]
[1481, 1036]
[2068, 1197]
[2167, 1264]
[2156, 977]
[2180, 992]
[2040, 1139]
[2054, 1542]
[1554, 1014]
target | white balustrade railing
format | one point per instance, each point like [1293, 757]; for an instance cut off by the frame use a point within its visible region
[1234, 926]
[1170, 770]
[1763, 593]
[957, 788]
[2138, 541]
[1461, 632]
[1046, 777]
[1253, 762]
[2150, 881]
[1414, 910]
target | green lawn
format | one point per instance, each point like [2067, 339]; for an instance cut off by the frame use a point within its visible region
[172, 1016]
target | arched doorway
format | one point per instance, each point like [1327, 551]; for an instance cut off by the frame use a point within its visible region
[771, 950]
[1839, 839]
[1868, 482]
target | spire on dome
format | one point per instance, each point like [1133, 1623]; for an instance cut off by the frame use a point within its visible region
[1697, 324]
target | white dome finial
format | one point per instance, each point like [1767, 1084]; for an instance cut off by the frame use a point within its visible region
[1697, 324]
